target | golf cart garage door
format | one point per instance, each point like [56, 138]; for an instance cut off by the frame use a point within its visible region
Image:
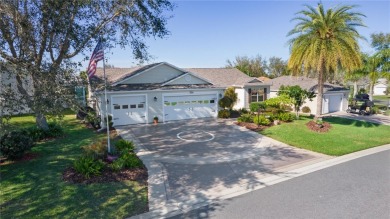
[128, 110]
[190, 106]
[332, 103]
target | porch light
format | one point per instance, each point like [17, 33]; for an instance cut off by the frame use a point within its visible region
[155, 99]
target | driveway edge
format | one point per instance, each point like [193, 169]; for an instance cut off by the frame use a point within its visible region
[171, 209]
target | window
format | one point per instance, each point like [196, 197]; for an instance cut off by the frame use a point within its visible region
[174, 103]
[212, 101]
[133, 106]
[140, 105]
[257, 95]
[167, 103]
[206, 101]
[116, 107]
[125, 106]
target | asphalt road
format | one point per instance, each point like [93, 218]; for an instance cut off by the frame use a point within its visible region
[358, 188]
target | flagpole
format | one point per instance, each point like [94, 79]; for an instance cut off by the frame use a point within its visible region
[106, 100]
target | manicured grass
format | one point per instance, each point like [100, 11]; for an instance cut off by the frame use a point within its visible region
[381, 97]
[346, 136]
[34, 189]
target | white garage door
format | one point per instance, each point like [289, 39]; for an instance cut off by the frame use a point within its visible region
[190, 106]
[332, 103]
[128, 110]
[379, 90]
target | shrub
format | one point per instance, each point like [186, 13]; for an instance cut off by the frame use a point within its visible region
[88, 166]
[285, 117]
[245, 118]
[117, 165]
[224, 114]
[123, 146]
[256, 106]
[14, 144]
[93, 119]
[261, 120]
[243, 111]
[375, 110]
[55, 130]
[130, 160]
[97, 149]
[306, 109]
[35, 133]
[225, 102]
[110, 122]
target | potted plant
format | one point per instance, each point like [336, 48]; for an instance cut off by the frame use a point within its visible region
[155, 120]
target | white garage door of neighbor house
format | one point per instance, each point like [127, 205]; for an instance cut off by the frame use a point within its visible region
[379, 90]
[128, 110]
[190, 106]
[332, 103]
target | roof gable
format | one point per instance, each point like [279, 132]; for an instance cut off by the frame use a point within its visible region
[187, 78]
[155, 73]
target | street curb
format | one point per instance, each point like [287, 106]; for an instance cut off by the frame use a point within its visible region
[171, 209]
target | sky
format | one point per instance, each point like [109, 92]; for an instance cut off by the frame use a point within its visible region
[208, 33]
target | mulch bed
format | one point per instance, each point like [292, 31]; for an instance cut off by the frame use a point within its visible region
[26, 157]
[137, 174]
[312, 125]
[251, 126]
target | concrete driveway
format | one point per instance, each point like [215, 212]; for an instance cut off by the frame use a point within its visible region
[376, 118]
[194, 161]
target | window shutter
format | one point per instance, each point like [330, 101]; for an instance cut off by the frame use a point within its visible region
[265, 93]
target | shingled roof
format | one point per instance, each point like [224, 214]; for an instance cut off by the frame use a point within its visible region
[223, 77]
[117, 74]
[306, 83]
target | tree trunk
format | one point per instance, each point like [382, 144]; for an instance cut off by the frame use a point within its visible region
[320, 92]
[371, 91]
[41, 121]
[355, 91]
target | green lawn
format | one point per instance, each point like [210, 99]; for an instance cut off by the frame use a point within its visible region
[34, 189]
[381, 97]
[346, 136]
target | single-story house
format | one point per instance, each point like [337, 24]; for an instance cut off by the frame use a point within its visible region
[335, 97]
[136, 95]
[380, 87]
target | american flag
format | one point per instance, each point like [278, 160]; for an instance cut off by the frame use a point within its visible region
[97, 55]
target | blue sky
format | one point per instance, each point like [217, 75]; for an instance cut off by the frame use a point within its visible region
[207, 33]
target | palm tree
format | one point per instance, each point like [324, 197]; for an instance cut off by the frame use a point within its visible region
[325, 42]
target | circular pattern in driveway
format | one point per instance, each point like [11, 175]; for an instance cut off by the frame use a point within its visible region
[195, 136]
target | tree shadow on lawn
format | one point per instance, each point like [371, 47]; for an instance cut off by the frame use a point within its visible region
[34, 189]
[37, 190]
[350, 122]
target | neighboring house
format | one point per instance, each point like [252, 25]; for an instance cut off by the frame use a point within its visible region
[137, 95]
[10, 98]
[380, 87]
[335, 97]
